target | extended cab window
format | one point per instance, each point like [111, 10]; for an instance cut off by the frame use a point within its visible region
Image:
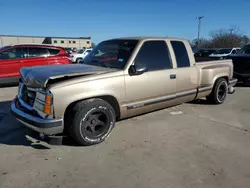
[37, 52]
[12, 53]
[155, 55]
[181, 54]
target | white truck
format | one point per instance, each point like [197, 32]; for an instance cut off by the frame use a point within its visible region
[223, 53]
[79, 56]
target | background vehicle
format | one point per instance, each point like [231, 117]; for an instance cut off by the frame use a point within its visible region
[120, 78]
[241, 62]
[12, 58]
[223, 53]
[201, 54]
[68, 50]
[79, 56]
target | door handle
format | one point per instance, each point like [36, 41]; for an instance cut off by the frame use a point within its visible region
[172, 76]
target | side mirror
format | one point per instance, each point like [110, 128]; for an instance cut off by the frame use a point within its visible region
[137, 69]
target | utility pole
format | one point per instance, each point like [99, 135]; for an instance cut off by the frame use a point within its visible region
[231, 35]
[231, 31]
[199, 28]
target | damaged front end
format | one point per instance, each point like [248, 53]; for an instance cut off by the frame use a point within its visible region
[34, 106]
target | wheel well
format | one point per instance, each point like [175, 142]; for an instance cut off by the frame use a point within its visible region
[225, 77]
[113, 102]
[110, 99]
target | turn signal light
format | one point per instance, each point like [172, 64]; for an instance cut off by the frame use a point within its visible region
[47, 109]
[48, 99]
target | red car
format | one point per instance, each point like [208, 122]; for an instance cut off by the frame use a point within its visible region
[14, 57]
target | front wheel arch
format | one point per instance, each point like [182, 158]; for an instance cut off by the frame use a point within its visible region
[108, 98]
[91, 121]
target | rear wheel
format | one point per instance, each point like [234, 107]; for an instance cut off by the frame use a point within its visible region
[92, 121]
[219, 92]
[78, 60]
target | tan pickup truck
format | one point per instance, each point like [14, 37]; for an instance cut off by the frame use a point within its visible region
[120, 78]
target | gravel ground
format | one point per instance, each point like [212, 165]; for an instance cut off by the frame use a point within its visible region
[193, 145]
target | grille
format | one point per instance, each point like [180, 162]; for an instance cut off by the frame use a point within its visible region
[28, 96]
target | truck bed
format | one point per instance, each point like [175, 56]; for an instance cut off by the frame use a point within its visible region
[210, 70]
[202, 59]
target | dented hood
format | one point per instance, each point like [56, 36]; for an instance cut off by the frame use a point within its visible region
[39, 76]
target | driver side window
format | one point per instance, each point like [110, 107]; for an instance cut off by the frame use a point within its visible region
[155, 55]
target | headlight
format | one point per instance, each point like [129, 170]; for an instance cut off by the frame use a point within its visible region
[40, 96]
[43, 102]
[45, 98]
[39, 106]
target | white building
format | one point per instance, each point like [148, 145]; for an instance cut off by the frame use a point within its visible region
[67, 42]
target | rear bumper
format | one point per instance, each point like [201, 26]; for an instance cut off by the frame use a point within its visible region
[240, 76]
[231, 84]
[45, 126]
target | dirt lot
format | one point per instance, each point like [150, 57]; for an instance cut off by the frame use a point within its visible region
[193, 145]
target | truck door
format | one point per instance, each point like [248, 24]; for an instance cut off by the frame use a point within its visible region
[186, 73]
[155, 87]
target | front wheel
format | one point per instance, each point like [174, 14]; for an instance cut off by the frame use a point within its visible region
[92, 121]
[219, 92]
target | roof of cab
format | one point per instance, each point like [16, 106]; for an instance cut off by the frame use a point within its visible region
[146, 38]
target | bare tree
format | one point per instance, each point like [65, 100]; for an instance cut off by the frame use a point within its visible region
[204, 43]
[223, 38]
[228, 38]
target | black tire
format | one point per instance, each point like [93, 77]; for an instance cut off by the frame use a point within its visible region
[219, 92]
[92, 121]
[78, 60]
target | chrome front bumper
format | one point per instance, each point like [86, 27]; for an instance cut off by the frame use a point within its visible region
[45, 126]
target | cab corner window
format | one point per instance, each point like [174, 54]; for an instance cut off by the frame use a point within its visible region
[155, 55]
[181, 54]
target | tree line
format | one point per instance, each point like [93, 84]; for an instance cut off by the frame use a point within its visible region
[223, 38]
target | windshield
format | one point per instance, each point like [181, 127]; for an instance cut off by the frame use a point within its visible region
[111, 54]
[80, 51]
[245, 50]
[223, 51]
